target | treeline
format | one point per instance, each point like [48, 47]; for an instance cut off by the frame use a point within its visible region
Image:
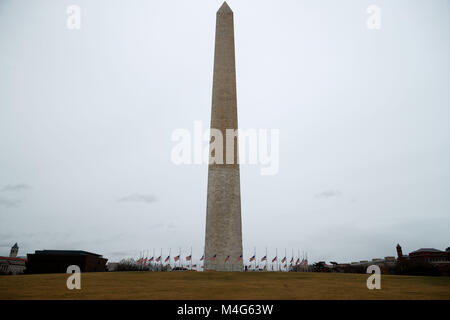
[406, 267]
[131, 265]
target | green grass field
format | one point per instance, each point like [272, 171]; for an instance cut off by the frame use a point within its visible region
[222, 285]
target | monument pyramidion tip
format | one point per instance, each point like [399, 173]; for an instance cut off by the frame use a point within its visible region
[225, 8]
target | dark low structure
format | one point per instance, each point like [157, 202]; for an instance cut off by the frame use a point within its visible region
[57, 261]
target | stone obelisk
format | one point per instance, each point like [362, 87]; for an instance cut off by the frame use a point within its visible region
[223, 240]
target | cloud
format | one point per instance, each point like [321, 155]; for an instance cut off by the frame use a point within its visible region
[171, 225]
[124, 253]
[16, 187]
[328, 194]
[147, 198]
[8, 203]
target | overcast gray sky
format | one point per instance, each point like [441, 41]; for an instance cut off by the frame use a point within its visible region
[86, 118]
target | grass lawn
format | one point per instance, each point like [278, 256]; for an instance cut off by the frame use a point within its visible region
[222, 285]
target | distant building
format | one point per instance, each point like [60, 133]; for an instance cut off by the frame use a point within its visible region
[12, 264]
[430, 255]
[57, 261]
[112, 266]
[9, 265]
[378, 261]
[438, 258]
[14, 251]
[400, 255]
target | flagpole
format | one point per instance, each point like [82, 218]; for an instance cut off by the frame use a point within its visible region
[170, 253]
[307, 266]
[254, 254]
[292, 255]
[303, 258]
[191, 258]
[276, 253]
[266, 259]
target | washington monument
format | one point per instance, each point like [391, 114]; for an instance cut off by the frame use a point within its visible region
[223, 240]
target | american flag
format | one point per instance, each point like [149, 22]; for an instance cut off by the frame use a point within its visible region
[304, 262]
[145, 260]
[239, 258]
[227, 258]
[203, 257]
[188, 258]
[150, 260]
[167, 259]
[265, 268]
[158, 259]
[139, 261]
[292, 260]
[274, 259]
[264, 258]
[194, 266]
[177, 258]
[213, 258]
[283, 260]
[252, 258]
[296, 262]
